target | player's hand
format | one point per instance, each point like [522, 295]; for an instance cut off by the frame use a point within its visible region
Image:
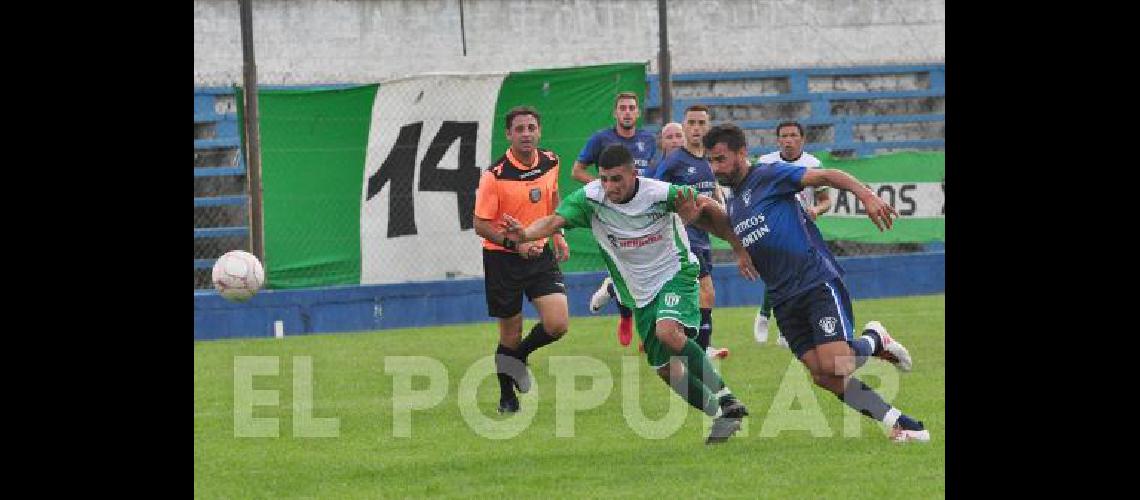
[744, 263]
[686, 205]
[511, 227]
[880, 212]
[561, 249]
[529, 250]
[812, 213]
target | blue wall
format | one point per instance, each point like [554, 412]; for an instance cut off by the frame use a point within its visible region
[377, 307]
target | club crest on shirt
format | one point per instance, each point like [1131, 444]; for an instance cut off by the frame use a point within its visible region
[746, 196]
[535, 195]
[828, 325]
[692, 170]
[641, 146]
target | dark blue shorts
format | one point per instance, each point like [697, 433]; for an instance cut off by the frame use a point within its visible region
[704, 256]
[817, 316]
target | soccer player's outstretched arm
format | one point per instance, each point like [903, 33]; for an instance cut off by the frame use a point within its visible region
[541, 228]
[579, 172]
[714, 219]
[879, 211]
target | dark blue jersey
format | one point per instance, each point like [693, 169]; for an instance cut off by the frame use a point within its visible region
[643, 145]
[772, 225]
[681, 167]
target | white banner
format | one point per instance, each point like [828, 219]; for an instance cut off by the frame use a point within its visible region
[453, 112]
[910, 199]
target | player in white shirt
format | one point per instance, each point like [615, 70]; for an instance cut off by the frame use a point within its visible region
[815, 201]
[639, 223]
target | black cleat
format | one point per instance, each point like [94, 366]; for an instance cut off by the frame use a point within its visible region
[509, 405]
[724, 426]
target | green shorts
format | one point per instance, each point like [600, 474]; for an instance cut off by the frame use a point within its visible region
[679, 300]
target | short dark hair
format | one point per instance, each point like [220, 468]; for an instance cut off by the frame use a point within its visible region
[698, 107]
[728, 133]
[624, 95]
[614, 155]
[791, 124]
[522, 110]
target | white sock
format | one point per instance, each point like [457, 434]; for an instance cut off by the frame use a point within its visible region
[891, 417]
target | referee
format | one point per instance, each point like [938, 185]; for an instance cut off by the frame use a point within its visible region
[522, 183]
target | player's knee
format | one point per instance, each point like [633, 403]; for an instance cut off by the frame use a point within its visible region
[672, 339]
[824, 370]
[556, 329]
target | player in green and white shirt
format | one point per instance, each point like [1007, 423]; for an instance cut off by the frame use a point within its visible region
[640, 225]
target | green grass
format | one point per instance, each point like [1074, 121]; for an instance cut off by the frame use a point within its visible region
[604, 458]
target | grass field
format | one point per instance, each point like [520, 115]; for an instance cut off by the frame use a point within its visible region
[816, 455]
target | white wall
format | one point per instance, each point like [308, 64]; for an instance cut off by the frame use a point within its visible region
[328, 41]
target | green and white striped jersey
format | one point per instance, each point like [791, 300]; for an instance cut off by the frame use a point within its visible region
[643, 241]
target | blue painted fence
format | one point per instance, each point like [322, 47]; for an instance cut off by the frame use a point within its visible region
[378, 307]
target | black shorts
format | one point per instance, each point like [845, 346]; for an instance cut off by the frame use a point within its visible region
[817, 316]
[507, 276]
[704, 256]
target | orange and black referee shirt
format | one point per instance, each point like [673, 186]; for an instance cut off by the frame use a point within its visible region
[526, 192]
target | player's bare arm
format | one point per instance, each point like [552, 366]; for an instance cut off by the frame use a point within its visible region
[579, 172]
[541, 228]
[712, 218]
[557, 242]
[879, 211]
[486, 229]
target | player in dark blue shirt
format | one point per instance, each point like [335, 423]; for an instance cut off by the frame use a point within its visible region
[670, 137]
[807, 292]
[642, 145]
[687, 166]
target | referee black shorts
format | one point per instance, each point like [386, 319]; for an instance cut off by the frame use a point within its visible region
[507, 276]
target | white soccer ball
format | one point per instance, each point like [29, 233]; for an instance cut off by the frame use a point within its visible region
[238, 275]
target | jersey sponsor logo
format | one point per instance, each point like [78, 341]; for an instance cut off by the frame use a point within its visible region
[535, 195]
[828, 325]
[532, 173]
[748, 223]
[633, 242]
[671, 299]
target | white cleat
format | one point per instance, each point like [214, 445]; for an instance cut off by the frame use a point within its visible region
[716, 352]
[893, 352]
[760, 328]
[601, 297]
[900, 435]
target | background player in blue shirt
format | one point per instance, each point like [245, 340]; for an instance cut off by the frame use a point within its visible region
[671, 137]
[642, 145]
[806, 290]
[687, 166]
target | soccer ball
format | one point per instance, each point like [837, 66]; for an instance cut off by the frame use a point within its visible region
[238, 275]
